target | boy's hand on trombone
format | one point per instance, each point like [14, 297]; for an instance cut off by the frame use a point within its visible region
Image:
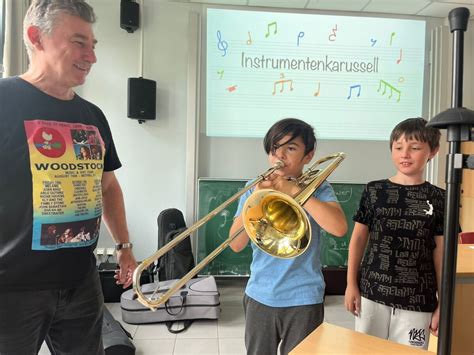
[280, 183]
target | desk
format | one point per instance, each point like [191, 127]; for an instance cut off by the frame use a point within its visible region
[331, 339]
[463, 315]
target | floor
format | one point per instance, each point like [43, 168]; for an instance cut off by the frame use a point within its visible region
[220, 337]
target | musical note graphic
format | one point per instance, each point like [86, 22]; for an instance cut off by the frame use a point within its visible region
[354, 87]
[220, 73]
[391, 37]
[221, 45]
[249, 41]
[300, 35]
[333, 34]
[316, 93]
[282, 82]
[400, 59]
[401, 79]
[231, 88]
[271, 24]
[392, 89]
[373, 41]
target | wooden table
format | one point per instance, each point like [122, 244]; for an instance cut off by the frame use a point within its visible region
[332, 339]
[463, 316]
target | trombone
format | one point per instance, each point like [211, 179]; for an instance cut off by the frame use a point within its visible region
[274, 221]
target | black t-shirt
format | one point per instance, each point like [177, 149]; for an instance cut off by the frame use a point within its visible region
[398, 268]
[52, 155]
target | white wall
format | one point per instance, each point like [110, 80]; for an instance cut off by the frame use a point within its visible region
[155, 169]
[153, 154]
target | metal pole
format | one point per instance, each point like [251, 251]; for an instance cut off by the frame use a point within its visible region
[456, 133]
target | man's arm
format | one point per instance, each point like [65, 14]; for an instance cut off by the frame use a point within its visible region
[113, 215]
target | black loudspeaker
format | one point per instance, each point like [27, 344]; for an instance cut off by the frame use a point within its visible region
[129, 15]
[141, 99]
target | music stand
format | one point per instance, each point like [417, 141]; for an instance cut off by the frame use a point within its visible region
[459, 122]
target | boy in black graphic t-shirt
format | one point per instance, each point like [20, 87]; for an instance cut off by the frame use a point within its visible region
[401, 218]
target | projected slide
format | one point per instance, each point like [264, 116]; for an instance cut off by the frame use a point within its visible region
[350, 77]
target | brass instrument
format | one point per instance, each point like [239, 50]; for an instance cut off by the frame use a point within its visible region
[274, 221]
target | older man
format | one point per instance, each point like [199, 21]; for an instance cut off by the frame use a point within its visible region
[51, 290]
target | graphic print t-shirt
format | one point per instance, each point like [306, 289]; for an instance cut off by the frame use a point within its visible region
[398, 268]
[55, 152]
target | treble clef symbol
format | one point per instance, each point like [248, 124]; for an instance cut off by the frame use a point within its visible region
[221, 45]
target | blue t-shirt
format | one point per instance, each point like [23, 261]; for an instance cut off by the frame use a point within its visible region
[292, 282]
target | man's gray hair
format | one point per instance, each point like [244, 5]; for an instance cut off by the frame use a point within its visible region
[44, 13]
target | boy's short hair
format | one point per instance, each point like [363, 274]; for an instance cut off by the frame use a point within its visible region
[415, 128]
[293, 127]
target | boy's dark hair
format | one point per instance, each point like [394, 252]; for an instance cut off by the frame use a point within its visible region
[415, 128]
[293, 127]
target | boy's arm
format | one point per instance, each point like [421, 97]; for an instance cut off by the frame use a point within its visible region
[357, 245]
[241, 241]
[328, 215]
[438, 262]
[438, 259]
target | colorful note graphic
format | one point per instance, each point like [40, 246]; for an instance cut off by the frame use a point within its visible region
[391, 37]
[231, 88]
[316, 93]
[353, 87]
[400, 58]
[271, 24]
[221, 45]
[332, 36]
[300, 35]
[282, 82]
[249, 41]
[392, 89]
[220, 73]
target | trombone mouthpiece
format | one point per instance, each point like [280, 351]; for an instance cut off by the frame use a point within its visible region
[278, 164]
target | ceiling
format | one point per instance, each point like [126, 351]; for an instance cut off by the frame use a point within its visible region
[432, 8]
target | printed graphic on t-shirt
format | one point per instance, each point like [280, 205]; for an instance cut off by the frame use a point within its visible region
[66, 161]
[398, 266]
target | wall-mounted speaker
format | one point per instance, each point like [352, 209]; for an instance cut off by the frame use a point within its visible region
[129, 15]
[141, 99]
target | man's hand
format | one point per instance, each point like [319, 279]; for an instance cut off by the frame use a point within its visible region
[127, 265]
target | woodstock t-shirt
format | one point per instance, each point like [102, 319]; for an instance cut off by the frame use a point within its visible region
[54, 153]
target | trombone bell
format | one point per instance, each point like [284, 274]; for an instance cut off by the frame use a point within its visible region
[276, 224]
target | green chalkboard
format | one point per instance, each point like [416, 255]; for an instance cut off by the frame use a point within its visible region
[334, 250]
[213, 192]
